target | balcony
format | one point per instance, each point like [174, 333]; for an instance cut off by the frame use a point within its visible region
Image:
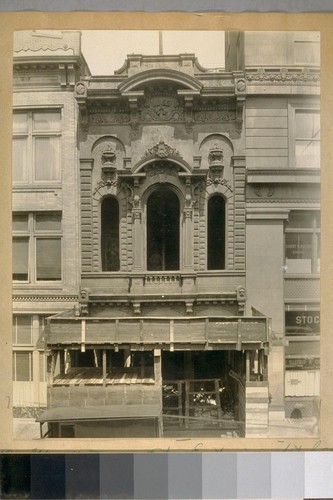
[109, 286]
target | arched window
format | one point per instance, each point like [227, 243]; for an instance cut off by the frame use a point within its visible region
[216, 233]
[110, 234]
[163, 230]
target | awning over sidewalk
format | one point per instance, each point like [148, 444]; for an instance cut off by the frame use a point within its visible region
[74, 413]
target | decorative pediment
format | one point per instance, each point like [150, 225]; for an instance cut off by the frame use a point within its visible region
[162, 150]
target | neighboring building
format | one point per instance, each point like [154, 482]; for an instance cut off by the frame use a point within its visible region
[166, 223]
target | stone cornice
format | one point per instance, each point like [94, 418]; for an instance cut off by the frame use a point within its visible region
[285, 201]
[283, 76]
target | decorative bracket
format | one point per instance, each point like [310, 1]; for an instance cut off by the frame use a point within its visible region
[240, 93]
[80, 94]
[241, 298]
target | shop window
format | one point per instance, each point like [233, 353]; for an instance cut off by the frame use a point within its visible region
[22, 367]
[37, 247]
[302, 323]
[302, 242]
[216, 233]
[22, 331]
[306, 147]
[110, 234]
[36, 146]
[163, 214]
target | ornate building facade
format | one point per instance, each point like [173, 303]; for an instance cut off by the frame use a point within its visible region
[166, 240]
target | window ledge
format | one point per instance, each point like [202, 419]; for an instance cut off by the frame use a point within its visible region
[314, 276]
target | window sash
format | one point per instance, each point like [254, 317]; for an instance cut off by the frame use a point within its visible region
[302, 245]
[46, 159]
[22, 367]
[46, 120]
[307, 52]
[306, 138]
[37, 146]
[48, 259]
[19, 162]
[20, 259]
[22, 330]
[37, 247]
[48, 221]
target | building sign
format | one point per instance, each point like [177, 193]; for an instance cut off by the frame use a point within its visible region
[302, 322]
[302, 363]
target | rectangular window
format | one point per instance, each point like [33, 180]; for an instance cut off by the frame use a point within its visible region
[307, 138]
[22, 330]
[303, 323]
[37, 247]
[302, 248]
[306, 48]
[36, 146]
[22, 367]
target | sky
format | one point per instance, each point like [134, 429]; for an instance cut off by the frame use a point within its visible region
[106, 51]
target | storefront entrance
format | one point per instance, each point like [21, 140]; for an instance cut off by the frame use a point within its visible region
[201, 393]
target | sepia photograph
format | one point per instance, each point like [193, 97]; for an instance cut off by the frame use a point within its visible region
[166, 234]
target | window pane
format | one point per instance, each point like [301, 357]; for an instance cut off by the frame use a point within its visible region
[298, 252]
[48, 221]
[20, 258]
[22, 330]
[307, 124]
[48, 259]
[307, 153]
[19, 160]
[47, 159]
[307, 52]
[20, 222]
[23, 366]
[303, 220]
[302, 323]
[20, 122]
[47, 120]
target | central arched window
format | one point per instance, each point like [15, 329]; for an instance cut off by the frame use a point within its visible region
[163, 230]
[216, 233]
[110, 234]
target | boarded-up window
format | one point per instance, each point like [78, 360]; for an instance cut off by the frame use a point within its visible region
[302, 383]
